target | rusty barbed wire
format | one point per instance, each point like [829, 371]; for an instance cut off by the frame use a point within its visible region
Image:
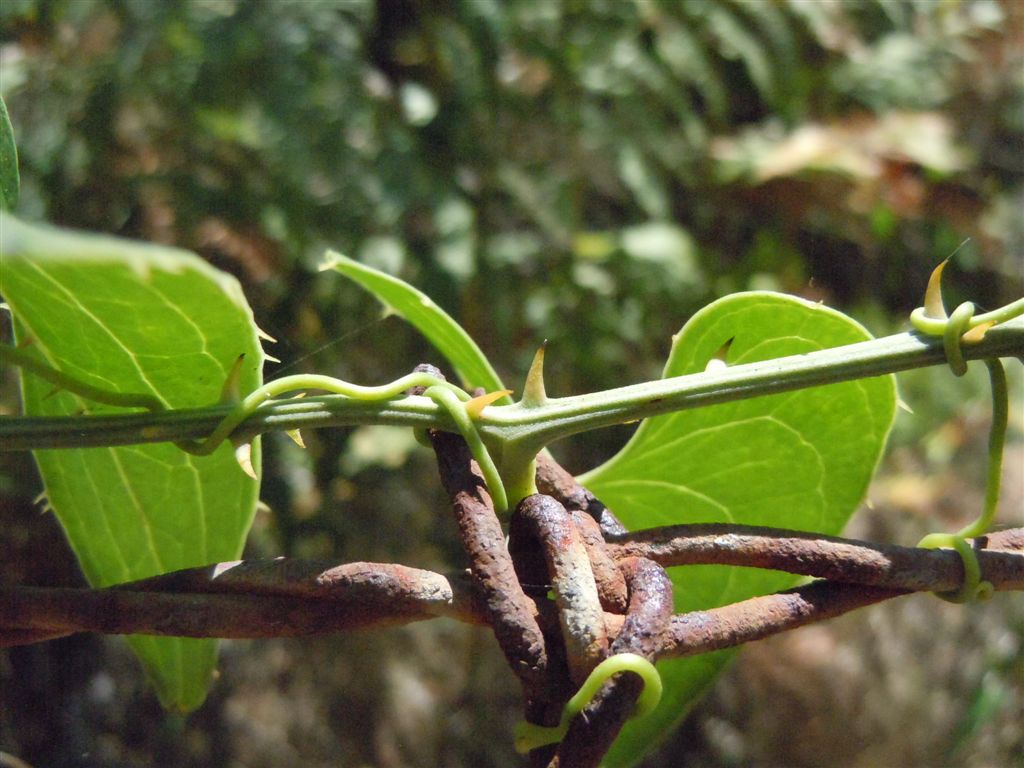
[609, 593]
[643, 632]
[34, 613]
[540, 523]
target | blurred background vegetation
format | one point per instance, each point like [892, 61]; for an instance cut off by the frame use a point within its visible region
[588, 172]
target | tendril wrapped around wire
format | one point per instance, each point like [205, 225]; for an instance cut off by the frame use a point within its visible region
[458, 405]
[956, 329]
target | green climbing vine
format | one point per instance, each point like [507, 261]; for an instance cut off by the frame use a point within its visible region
[956, 329]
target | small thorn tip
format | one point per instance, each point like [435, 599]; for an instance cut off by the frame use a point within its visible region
[933, 306]
[243, 455]
[534, 393]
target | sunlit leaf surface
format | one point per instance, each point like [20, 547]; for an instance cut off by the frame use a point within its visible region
[798, 460]
[136, 318]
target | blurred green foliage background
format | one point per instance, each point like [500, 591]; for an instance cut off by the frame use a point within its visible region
[588, 172]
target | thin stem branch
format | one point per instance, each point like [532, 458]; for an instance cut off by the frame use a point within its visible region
[561, 417]
[534, 426]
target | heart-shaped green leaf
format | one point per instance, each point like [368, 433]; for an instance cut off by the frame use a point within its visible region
[800, 460]
[136, 318]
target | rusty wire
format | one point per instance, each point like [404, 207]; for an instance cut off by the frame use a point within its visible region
[643, 632]
[300, 584]
[610, 593]
[511, 614]
[542, 524]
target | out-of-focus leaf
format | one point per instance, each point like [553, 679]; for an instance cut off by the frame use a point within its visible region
[902, 70]
[455, 226]
[665, 244]
[9, 178]
[643, 182]
[418, 104]
[859, 147]
[738, 41]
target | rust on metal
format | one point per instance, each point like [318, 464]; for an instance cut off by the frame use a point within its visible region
[828, 557]
[761, 617]
[553, 480]
[511, 614]
[592, 732]
[611, 585]
[546, 522]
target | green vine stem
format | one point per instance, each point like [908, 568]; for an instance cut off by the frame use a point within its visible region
[306, 382]
[456, 403]
[19, 357]
[448, 397]
[996, 443]
[513, 427]
[933, 326]
[973, 587]
[955, 329]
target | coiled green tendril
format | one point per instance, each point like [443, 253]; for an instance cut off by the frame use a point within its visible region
[962, 326]
[529, 736]
[456, 403]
